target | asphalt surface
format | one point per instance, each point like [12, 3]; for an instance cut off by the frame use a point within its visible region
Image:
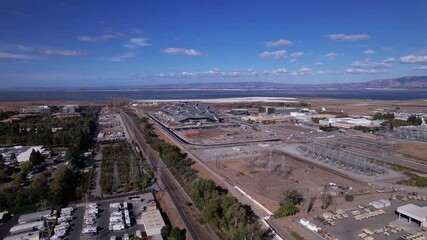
[103, 219]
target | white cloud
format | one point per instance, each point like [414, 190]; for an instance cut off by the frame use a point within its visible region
[364, 71]
[188, 52]
[276, 54]
[122, 58]
[331, 55]
[16, 56]
[294, 60]
[251, 72]
[302, 71]
[348, 37]
[416, 59]
[279, 71]
[103, 37]
[61, 52]
[297, 54]
[136, 43]
[389, 60]
[279, 43]
[422, 68]
[369, 65]
[369, 52]
[318, 63]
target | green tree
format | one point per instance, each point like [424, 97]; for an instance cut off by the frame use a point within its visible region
[176, 234]
[17, 179]
[74, 156]
[36, 158]
[421, 182]
[292, 196]
[26, 166]
[287, 209]
[63, 186]
[166, 231]
[349, 197]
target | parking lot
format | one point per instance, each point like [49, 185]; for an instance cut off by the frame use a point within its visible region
[104, 216]
[385, 224]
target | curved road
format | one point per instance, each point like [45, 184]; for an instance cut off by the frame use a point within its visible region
[183, 141]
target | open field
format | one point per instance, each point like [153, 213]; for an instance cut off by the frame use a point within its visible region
[416, 150]
[224, 135]
[264, 178]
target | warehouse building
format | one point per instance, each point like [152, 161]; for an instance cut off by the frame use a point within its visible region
[153, 222]
[36, 110]
[35, 216]
[278, 110]
[193, 112]
[414, 212]
[239, 111]
[349, 122]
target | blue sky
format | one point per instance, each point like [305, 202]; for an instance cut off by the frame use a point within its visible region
[115, 43]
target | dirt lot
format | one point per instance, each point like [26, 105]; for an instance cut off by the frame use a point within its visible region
[416, 150]
[264, 179]
[224, 135]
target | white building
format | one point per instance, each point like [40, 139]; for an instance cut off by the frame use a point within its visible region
[70, 108]
[36, 110]
[153, 222]
[414, 212]
[25, 156]
[349, 122]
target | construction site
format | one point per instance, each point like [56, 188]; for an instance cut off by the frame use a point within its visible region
[266, 158]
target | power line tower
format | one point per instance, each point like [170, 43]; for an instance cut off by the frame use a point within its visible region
[283, 172]
[270, 161]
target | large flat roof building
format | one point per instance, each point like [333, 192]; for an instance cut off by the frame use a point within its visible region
[153, 222]
[192, 112]
[414, 212]
[35, 216]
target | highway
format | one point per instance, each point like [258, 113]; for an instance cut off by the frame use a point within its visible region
[177, 194]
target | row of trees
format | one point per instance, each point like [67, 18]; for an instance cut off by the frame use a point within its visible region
[120, 155]
[224, 213]
[37, 130]
[58, 191]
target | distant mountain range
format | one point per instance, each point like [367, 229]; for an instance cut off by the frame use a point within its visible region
[410, 82]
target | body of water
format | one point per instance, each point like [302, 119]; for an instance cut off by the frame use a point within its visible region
[15, 96]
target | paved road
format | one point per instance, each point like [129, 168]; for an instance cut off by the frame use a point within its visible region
[184, 141]
[171, 186]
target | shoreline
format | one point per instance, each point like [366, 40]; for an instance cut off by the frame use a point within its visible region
[224, 100]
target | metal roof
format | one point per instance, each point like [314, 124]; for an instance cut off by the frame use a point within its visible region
[35, 216]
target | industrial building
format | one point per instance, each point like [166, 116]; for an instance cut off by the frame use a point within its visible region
[35, 216]
[278, 110]
[239, 111]
[70, 108]
[414, 212]
[36, 110]
[153, 222]
[349, 122]
[193, 112]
